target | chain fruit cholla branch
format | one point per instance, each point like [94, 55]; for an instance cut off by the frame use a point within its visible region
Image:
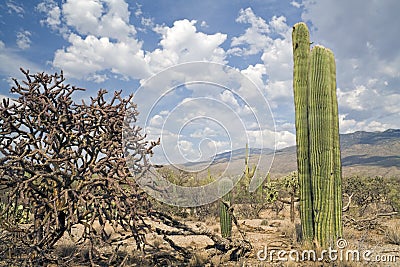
[65, 164]
[317, 137]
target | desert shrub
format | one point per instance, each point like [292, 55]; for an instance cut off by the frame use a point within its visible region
[393, 195]
[188, 179]
[366, 191]
[288, 192]
[250, 204]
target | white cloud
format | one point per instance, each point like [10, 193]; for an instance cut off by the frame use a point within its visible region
[227, 97]
[273, 40]
[255, 37]
[203, 133]
[53, 12]
[296, 4]
[157, 120]
[15, 8]
[138, 11]
[353, 99]
[285, 139]
[23, 39]
[255, 73]
[204, 24]
[90, 55]
[97, 78]
[102, 39]
[106, 18]
[183, 43]
[279, 91]
[147, 22]
[278, 58]
[185, 145]
[352, 125]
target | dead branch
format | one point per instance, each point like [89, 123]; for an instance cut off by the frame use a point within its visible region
[288, 202]
[234, 248]
[347, 206]
[366, 223]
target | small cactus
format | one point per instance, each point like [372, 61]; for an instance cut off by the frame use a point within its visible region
[225, 217]
[248, 172]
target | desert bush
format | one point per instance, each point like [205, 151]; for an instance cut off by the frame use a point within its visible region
[366, 191]
[63, 163]
[188, 179]
[393, 197]
[250, 204]
[288, 192]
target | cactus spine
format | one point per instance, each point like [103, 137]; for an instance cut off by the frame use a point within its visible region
[317, 137]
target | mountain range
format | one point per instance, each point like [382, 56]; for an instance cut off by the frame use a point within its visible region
[363, 153]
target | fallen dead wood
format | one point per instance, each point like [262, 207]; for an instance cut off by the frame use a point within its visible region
[366, 223]
[232, 249]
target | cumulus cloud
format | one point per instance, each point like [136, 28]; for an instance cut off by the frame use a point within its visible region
[23, 39]
[258, 37]
[256, 74]
[99, 18]
[86, 56]
[102, 39]
[274, 75]
[183, 43]
[255, 37]
[53, 13]
[273, 40]
[351, 125]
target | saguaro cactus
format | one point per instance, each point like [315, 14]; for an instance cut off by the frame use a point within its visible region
[301, 54]
[317, 137]
[225, 217]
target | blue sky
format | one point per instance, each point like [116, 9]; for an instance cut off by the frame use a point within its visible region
[116, 44]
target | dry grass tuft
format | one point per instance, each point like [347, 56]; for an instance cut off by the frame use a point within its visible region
[393, 233]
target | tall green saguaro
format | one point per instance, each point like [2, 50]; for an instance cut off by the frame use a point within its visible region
[301, 54]
[317, 137]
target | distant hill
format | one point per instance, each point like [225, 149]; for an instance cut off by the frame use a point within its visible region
[371, 138]
[363, 153]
